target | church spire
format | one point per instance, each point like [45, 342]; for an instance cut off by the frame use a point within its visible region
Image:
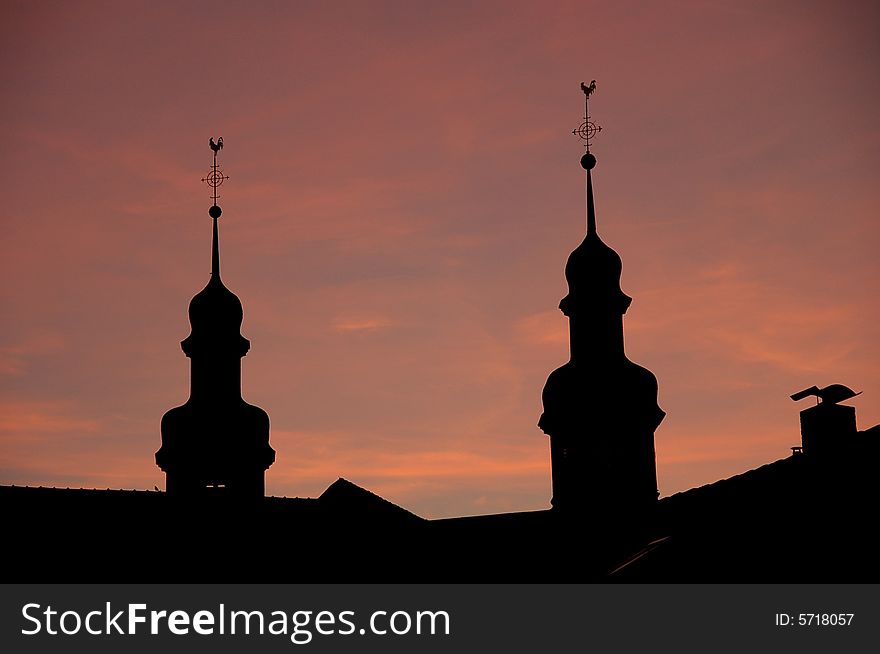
[216, 312]
[600, 409]
[216, 439]
[593, 269]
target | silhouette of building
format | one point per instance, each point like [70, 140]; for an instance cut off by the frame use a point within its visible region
[215, 442]
[807, 517]
[600, 408]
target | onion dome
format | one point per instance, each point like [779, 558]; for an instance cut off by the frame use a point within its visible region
[593, 271]
[215, 314]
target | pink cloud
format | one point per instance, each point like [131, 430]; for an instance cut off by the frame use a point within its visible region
[359, 324]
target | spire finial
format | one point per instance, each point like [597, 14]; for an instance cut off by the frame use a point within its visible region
[587, 129]
[214, 179]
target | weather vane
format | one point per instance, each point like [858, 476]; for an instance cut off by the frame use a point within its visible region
[587, 129]
[215, 178]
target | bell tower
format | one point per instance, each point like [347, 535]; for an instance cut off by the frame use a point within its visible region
[600, 408]
[215, 442]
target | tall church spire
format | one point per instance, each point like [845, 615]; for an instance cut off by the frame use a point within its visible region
[215, 440]
[600, 409]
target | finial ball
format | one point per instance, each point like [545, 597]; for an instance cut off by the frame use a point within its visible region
[214, 211]
[588, 161]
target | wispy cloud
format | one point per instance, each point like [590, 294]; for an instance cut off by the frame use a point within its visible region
[14, 358]
[543, 328]
[359, 324]
[23, 420]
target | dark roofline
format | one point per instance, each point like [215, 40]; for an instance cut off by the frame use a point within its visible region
[342, 488]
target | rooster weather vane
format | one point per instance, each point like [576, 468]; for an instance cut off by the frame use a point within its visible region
[587, 129]
[215, 178]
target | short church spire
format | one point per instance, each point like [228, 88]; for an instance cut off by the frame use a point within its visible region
[215, 440]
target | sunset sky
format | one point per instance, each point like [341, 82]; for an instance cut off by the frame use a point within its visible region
[404, 192]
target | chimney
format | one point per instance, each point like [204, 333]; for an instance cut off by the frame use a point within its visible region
[827, 429]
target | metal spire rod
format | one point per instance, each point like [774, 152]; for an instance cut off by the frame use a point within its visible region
[586, 114]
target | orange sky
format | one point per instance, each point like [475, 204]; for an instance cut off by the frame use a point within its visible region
[404, 193]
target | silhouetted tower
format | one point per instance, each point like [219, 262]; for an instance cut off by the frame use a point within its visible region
[216, 440]
[600, 408]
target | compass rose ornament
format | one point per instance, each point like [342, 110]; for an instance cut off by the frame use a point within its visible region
[215, 178]
[587, 129]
